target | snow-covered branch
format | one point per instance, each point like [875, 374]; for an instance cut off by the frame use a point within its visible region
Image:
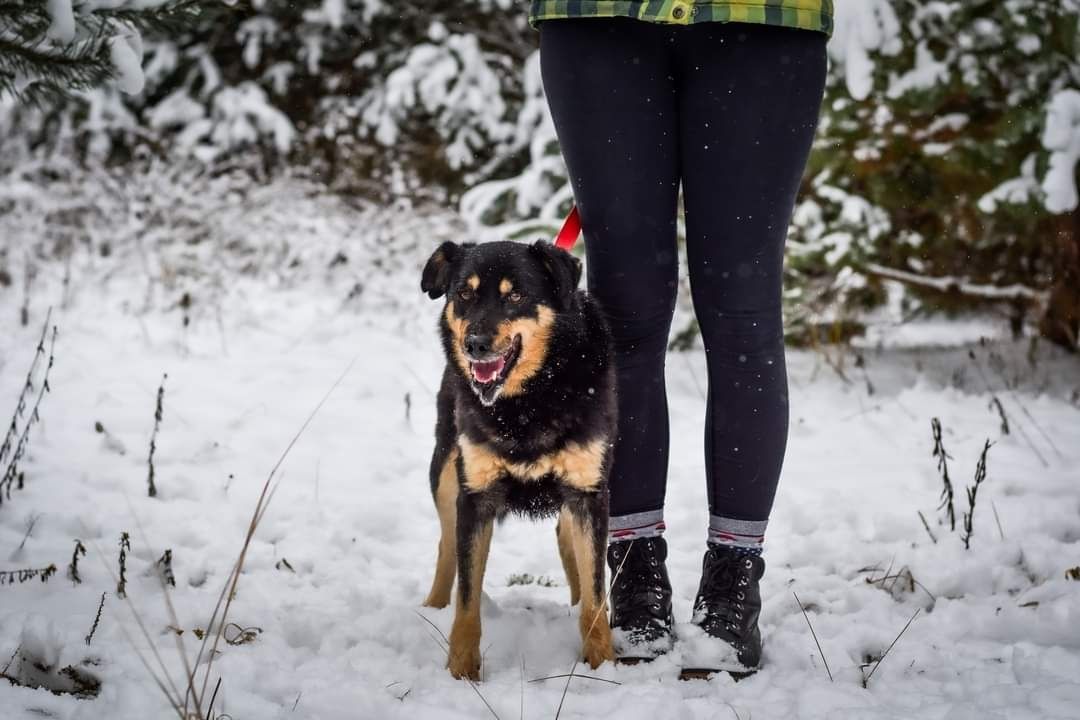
[959, 285]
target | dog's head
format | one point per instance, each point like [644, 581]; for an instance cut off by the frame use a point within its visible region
[502, 300]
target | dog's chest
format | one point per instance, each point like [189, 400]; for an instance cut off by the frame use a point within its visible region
[576, 465]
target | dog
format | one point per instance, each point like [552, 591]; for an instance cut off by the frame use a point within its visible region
[525, 424]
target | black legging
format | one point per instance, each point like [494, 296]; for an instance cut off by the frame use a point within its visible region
[729, 110]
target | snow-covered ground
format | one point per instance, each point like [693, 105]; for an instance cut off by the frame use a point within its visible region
[342, 634]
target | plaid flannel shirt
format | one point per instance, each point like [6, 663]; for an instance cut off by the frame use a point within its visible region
[805, 14]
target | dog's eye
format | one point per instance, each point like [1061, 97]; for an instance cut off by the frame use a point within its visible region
[515, 297]
[465, 294]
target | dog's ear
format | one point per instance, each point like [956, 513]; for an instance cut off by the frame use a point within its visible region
[436, 278]
[564, 269]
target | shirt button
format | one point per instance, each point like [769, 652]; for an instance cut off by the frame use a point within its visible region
[679, 12]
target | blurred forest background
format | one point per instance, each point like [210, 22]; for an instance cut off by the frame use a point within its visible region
[943, 179]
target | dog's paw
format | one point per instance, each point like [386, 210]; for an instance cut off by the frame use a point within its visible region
[597, 648]
[436, 602]
[464, 663]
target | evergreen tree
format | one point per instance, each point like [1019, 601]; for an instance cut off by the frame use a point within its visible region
[381, 99]
[946, 150]
[50, 49]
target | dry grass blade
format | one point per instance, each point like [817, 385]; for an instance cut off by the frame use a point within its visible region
[887, 571]
[11, 659]
[174, 701]
[607, 601]
[577, 675]
[814, 635]
[228, 592]
[210, 710]
[174, 696]
[189, 673]
[446, 647]
[1012, 395]
[997, 519]
[1023, 408]
[886, 653]
[446, 640]
[927, 526]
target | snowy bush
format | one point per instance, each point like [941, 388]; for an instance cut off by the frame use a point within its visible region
[954, 119]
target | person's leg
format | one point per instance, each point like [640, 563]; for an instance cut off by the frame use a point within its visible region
[749, 102]
[609, 86]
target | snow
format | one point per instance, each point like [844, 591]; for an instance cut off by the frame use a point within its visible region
[1061, 137]
[862, 27]
[998, 630]
[1017, 191]
[450, 80]
[62, 26]
[126, 56]
[926, 73]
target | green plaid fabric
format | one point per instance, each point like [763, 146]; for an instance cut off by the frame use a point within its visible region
[806, 14]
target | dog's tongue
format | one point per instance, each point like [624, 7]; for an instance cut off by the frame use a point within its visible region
[485, 372]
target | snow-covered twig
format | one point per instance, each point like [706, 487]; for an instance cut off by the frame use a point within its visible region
[12, 577]
[980, 476]
[97, 618]
[73, 566]
[151, 488]
[943, 467]
[15, 442]
[959, 285]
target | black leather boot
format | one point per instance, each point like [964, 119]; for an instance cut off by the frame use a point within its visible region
[729, 602]
[640, 598]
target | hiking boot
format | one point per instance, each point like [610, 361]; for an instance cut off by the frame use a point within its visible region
[640, 598]
[727, 608]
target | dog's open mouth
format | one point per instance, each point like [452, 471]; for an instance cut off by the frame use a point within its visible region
[490, 372]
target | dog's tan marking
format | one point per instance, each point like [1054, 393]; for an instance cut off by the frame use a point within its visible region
[593, 622]
[576, 465]
[505, 286]
[482, 467]
[463, 657]
[473, 281]
[579, 465]
[446, 503]
[563, 530]
[457, 326]
[535, 335]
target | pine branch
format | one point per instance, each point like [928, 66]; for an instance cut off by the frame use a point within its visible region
[35, 69]
[164, 20]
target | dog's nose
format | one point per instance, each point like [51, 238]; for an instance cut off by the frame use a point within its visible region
[478, 345]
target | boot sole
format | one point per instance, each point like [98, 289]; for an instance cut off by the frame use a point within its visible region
[707, 673]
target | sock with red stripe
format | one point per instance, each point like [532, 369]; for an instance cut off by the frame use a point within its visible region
[746, 537]
[637, 526]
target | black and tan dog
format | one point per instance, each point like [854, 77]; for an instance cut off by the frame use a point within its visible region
[526, 419]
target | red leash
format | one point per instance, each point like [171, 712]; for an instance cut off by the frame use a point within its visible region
[571, 228]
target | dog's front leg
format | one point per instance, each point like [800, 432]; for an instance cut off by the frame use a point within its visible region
[588, 515]
[473, 541]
